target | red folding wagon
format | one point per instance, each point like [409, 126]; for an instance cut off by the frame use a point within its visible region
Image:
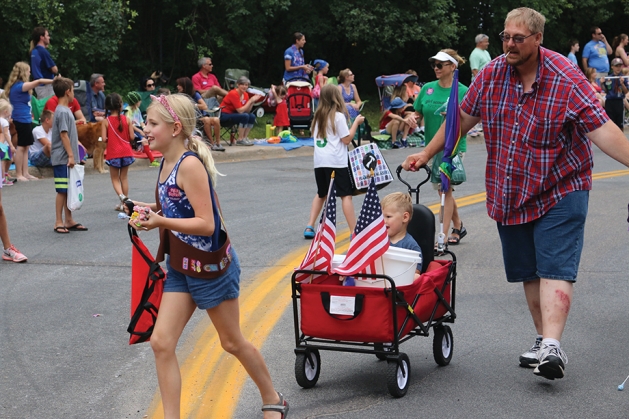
[331, 317]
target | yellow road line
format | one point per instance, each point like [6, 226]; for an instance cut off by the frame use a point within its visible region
[211, 378]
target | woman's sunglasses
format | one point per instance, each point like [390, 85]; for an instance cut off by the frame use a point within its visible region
[438, 66]
[150, 85]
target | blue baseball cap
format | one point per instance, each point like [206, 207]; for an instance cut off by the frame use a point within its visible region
[397, 103]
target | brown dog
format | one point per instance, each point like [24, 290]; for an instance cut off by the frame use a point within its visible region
[88, 136]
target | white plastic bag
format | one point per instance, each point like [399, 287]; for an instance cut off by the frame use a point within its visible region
[75, 187]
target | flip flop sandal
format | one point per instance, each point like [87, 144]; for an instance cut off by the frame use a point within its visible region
[281, 407]
[77, 227]
[462, 232]
[61, 230]
[309, 232]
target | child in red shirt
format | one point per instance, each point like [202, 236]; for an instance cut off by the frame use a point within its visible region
[117, 133]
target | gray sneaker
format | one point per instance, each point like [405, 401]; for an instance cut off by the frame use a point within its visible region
[529, 358]
[244, 142]
[552, 361]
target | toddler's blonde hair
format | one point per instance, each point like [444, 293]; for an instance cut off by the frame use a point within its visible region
[5, 105]
[401, 201]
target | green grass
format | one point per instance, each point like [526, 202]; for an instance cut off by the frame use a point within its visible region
[371, 111]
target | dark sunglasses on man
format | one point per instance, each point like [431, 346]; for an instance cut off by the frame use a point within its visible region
[518, 39]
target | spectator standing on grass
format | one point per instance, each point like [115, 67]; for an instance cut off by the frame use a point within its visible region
[42, 64]
[18, 90]
[595, 53]
[295, 66]
[618, 46]
[480, 57]
[574, 48]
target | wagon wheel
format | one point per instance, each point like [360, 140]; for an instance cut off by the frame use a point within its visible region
[260, 112]
[442, 345]
[307, 368]
[398, 375]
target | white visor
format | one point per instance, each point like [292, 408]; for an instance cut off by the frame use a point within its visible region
[442, 56]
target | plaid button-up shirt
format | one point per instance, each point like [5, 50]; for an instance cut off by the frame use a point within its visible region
[536, 143]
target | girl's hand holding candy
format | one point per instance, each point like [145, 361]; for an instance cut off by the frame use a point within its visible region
[143, 218]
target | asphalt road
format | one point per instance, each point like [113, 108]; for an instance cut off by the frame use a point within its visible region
[63, 315]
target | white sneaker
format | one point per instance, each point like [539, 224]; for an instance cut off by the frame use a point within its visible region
[529, 358]
[13, 255]
[552, 361]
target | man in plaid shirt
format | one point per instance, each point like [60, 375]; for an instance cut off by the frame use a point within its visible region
[539, 115]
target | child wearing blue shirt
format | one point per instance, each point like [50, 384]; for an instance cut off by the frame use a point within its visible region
[397, 210]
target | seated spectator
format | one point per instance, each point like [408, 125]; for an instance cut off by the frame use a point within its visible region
[39, 151]
[96, 97]
[237, 107]
[52, 103]
[412, 88]
[147, 85]
[205, 82]
[349, 92]
[184, 85]
[395, 123]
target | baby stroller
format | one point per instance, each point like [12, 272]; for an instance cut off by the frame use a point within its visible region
[378, 320]
[299, 102]
[232, 75]
[386, 84]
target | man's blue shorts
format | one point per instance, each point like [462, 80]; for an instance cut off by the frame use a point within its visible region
[549, 247]
[60, 174]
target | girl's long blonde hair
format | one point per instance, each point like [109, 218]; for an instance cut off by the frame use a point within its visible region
[330, 102]
[20, 72]
[184, 109]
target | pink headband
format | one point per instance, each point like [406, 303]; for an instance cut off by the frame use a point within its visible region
[162, 99]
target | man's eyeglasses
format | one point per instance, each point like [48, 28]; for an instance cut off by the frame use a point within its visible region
[150, 84]
[518, 39]
[438, 66]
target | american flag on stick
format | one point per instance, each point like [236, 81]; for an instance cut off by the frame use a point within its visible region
[370, 237]
[321, 251]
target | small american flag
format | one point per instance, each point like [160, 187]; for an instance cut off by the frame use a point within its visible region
[370, 237]
[321, 251]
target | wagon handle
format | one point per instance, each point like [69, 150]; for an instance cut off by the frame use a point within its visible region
[412, 190]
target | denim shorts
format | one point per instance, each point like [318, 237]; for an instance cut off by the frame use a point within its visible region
[206, 293]
[549, 247]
